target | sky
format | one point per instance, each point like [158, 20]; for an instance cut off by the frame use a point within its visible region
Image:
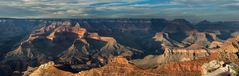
[194, 10]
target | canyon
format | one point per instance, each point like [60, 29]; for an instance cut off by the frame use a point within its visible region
[116, 47]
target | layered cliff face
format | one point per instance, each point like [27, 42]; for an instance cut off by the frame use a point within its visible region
[68, 45]
[117, 66]
[104, 47]
[191, 60]
[90, 53]
[170, 55]
[194, 46]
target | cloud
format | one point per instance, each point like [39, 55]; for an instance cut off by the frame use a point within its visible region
[12, 11]
[205, 2]
[190, 9]
[62, 8]
[233, 6]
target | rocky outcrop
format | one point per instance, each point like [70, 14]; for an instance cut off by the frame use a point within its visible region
[231, 45]
[117, 66]
[197, 40]
[170, 55]
[217, 68]
[194, 40]
[66, 27]
[184, 54]
[48, 69]
[90, 53]
[188, 59]
[215, 44]
[163, 38]
[166, 41]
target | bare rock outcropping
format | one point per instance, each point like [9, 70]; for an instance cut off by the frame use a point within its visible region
[170, 55]
[47, 69]
[118, 66]
[218, 68]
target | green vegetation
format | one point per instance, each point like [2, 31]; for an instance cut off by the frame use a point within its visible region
[237, 70]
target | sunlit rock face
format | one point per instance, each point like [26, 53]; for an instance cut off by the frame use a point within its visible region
[185, 54]
[215, 44]
[217, 68]
[66, 27]
[47, 69]
[116, 66]
[171, 55]
[79, 31]
[193, 40]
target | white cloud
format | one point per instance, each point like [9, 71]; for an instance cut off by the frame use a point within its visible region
[156, 5]
[232, 4]
[64, 7]
[205, 2]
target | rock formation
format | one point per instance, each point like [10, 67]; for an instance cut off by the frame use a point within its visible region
[123, 47]
[171, 55]
[67, 45]
[217, 68]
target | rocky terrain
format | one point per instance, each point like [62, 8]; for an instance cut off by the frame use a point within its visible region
[117, 47]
